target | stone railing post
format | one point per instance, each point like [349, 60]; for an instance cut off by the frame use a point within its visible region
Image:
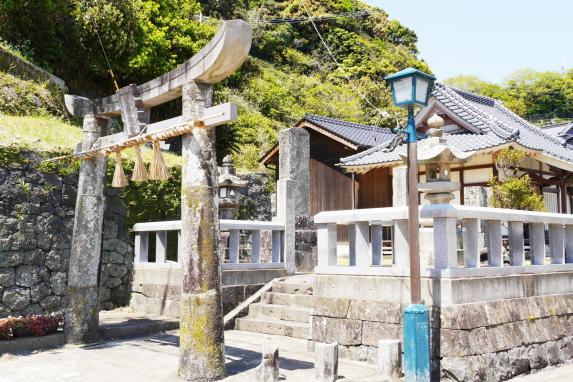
[494, 243]
[326, 238]
[82, 314]
[537, 243]
[557, 243]
[202, 348]
[400, 244]
[569, 244]
[445, 243]
[517, 253]
[471, 242]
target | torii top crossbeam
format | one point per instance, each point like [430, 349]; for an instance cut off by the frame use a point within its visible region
[224, 54]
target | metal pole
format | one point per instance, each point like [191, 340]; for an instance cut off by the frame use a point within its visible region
[416, 316]
[413, 215]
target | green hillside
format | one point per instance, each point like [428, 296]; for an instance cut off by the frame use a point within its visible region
[288, 74]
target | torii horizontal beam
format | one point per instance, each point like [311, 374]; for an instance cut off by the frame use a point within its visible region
[222, 56]
[214, 116]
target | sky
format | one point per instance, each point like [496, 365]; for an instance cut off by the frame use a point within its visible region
[488, 38]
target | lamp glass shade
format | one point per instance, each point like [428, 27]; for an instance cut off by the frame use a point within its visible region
[403, 90]
[223, 192]
[411, 87]
[422, 85]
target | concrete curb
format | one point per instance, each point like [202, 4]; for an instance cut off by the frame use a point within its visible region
[30, 344]
[135, 329]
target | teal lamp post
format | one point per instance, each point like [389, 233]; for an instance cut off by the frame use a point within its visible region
[412, 87]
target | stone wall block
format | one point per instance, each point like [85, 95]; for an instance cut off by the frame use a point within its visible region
[330, 330]
[566, 348]
[471, 316]
[548, 305]
[369, 310]
[27, 275]
[7, 277]
[455, 343]
[518, 360]
[496, 312]
[51, 303]
[39, 291]
[537, 357]
[58, 282]
[331, 307]
[479, 341]
[16, 298]
[518, 309]
[372, 332]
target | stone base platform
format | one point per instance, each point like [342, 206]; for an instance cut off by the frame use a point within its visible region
[156, 291]
[482, 328]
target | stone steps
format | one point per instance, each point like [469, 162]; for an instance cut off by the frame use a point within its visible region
[280, 312]
[276, 327]
[292, 288]
[304, 300]
[283, 311]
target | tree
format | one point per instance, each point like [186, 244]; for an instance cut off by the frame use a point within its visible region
[511, 190]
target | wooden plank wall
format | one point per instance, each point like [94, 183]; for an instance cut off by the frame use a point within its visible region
[375, 189]
[330, 189]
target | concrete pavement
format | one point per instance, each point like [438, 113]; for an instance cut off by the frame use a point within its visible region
[154, 359]
[560, 373]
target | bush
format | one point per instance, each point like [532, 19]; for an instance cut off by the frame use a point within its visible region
[39, 325]
[513, 191]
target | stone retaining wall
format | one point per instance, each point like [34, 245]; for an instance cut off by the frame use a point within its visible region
[157, 290]
[11, 63]
[36, 222]
[478, 341]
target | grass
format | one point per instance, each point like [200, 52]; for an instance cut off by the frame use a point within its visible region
[49, 134]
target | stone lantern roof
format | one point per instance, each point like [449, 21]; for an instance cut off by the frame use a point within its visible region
[227, 178]
[436, 148]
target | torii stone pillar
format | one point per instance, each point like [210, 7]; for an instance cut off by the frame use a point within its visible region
[82, 313]
[202, 347]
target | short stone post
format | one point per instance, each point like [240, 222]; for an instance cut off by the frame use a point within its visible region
[269, 368]
[201, 349]
[390, 359]
[82, 313]
[325, 362]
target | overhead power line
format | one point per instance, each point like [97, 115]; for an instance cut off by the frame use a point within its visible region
[382, 113]
[296, 20]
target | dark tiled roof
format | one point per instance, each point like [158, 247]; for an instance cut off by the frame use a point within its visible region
[363, 136]
[491, 125]
[563, 130]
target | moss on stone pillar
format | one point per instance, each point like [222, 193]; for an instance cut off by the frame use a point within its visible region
[201, 350]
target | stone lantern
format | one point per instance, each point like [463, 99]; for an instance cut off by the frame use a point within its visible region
[228, 184]
[438, 157]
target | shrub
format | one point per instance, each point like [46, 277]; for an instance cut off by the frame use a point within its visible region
[513, 191]
[37, 324]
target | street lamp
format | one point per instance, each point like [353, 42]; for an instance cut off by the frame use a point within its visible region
[412, 87]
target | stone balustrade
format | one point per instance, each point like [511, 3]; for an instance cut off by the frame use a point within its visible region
[453, 243]
[253, 229]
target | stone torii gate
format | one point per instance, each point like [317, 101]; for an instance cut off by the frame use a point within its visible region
[201, 352]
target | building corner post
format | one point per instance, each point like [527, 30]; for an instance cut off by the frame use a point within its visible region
[202, 347]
